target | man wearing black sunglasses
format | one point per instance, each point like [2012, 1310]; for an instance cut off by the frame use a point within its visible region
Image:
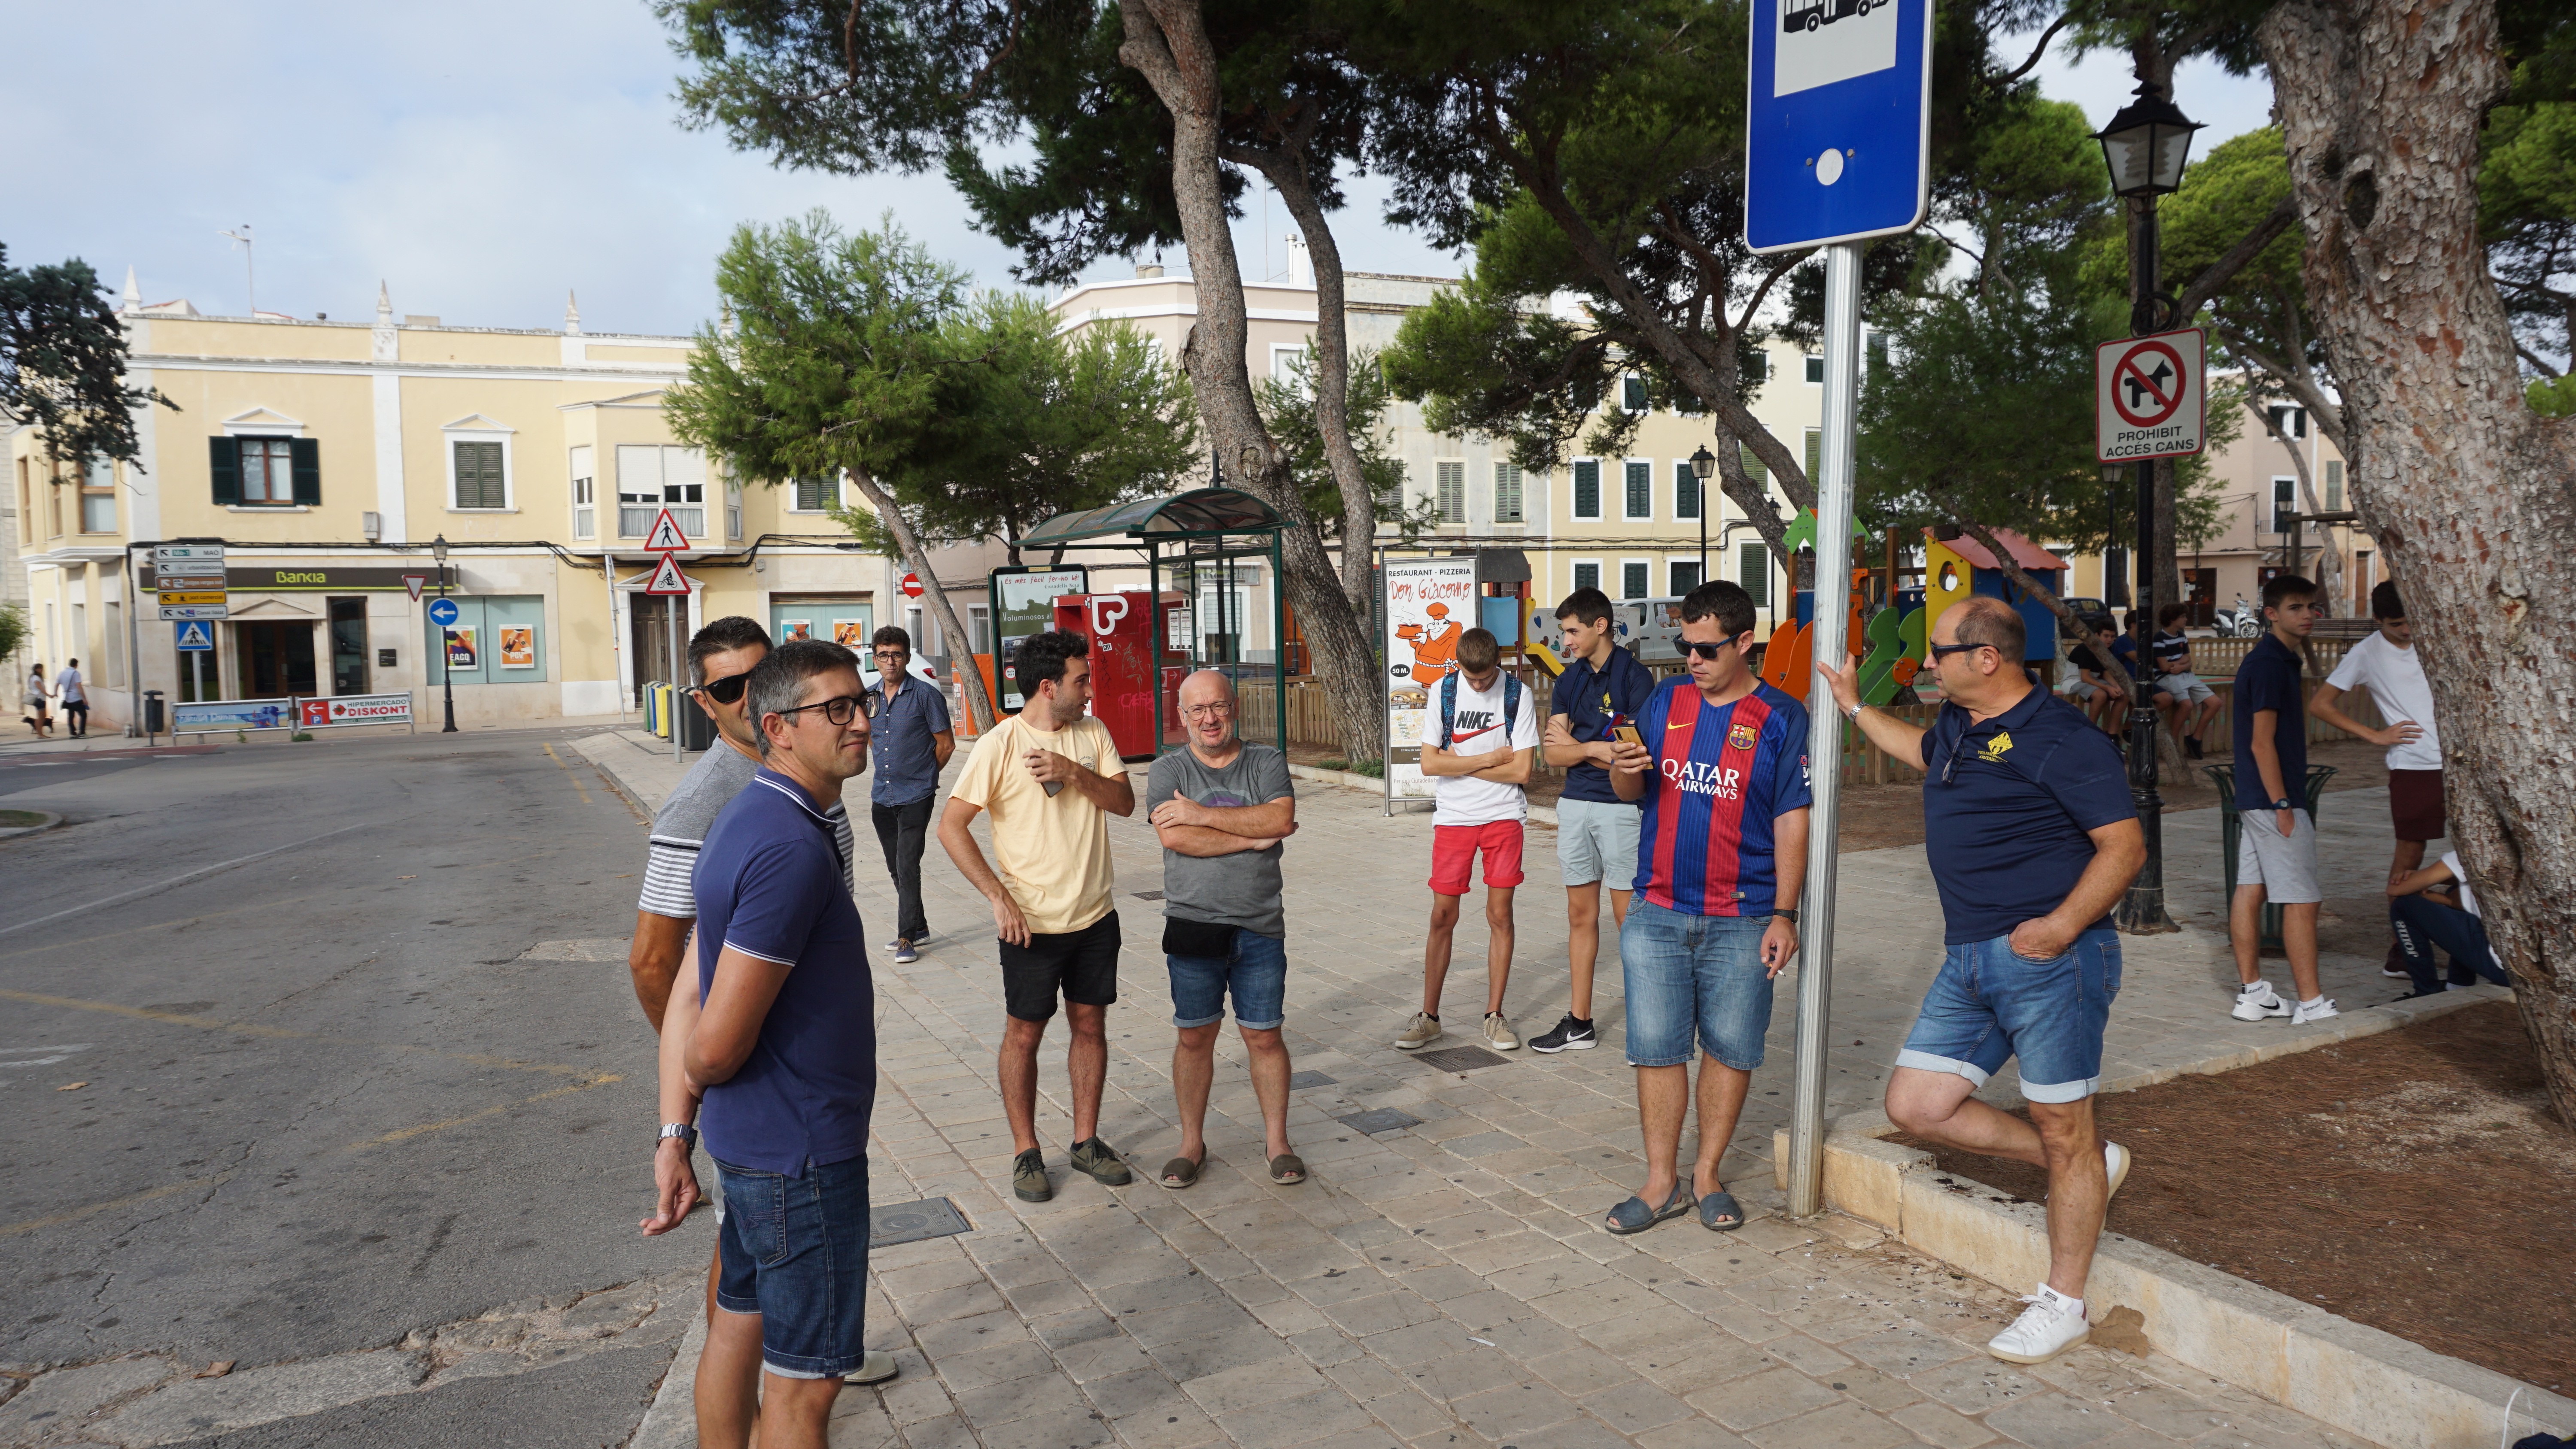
[2032, 840]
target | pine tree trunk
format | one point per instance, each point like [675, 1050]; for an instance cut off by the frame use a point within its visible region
[1166, 41]
[917, 558]
[2466, 490]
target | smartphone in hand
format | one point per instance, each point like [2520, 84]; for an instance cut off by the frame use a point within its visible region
[1626, 734]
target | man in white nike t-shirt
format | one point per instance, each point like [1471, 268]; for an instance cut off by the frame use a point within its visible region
[1478, 739]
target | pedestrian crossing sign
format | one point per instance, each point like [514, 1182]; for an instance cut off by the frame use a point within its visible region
[195, 637]
[666, 536]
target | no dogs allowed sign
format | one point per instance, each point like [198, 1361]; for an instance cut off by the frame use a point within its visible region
[2148, 397]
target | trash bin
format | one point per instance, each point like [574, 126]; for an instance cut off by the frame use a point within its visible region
[697, 731]
[2230, 824]
[154, 722]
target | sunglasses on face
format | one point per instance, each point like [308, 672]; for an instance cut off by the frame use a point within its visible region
[1706, 650]
[1944, 651]
[838, 711]
[728, 689]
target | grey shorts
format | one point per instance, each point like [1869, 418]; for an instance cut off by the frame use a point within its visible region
[2186, 688]
[2285, 869]
[2082, 691]
[1596, 842]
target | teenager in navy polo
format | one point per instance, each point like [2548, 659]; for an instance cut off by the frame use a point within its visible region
[783, 1055]
[2032, 839]
[1602, 688]
[1721, 763]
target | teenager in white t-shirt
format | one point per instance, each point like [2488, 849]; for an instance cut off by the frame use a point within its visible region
[2387, 665]
[1480, 804]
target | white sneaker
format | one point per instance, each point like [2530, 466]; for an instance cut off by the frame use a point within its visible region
[1419, 1032]
[876, 1366]
[2259, 1001]
[2115, 1166]
[1499, 1034]
[2045, 1329]
[2324, 1008]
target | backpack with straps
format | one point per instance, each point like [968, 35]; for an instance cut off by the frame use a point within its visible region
[1449, 705]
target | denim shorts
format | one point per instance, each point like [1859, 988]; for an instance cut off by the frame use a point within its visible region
[1255, 973]
[1597, 842]
[795, 1251]
[1990, 1003]
[1683, 972]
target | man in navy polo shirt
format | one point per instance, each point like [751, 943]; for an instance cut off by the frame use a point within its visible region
[2032, 840]
[1603, 686]
[783, 1055]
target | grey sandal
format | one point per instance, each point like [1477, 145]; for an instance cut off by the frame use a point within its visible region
[1287, 1169]
[1721, 1205]
[1180, 1172]
[1634, 1216]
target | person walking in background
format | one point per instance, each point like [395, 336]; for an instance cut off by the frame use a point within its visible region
[40, 711]
[1601, 690]
[2038, 841]
[2276, 840]
[909, 722]
[2386, 664]
[782, 1057]
[1720, 760]
[2187, 702]
[721, 658]
[1049, 776]
[2434, 906]
[1221, 809]
[1479, 738]
[74, 693]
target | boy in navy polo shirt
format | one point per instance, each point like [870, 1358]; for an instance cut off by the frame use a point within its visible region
[2032, 841]
[1720, 861]
[2276, 841]
[1603, 687]
[783, 1056]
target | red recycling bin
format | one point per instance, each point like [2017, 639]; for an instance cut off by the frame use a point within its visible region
[1121, 629]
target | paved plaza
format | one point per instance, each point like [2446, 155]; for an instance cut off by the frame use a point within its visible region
[1443, 1282]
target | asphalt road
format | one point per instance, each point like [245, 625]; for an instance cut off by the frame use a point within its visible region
[326, 1102]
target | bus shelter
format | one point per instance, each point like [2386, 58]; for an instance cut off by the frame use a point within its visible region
[1202, 608]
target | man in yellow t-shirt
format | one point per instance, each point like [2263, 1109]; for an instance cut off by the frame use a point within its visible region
[1046, 776]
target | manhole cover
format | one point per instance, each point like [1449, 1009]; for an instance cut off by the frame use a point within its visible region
[1298, 1081]
[1379, 1119]
[1458, 1059]
[1147, 895]
[910, 1222]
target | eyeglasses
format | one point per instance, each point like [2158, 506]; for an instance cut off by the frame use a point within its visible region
[1943, 651]
[727, 689]
[838, 711]
[1221, 709]
[899, 656]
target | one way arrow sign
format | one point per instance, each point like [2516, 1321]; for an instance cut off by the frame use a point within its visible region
[2149, 398]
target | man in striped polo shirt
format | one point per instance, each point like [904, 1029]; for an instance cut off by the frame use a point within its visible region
[1721, 856]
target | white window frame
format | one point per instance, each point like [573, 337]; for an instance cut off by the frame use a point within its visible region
[1288, 377]
[1623, 595]
[581, 469]
[477, 428]
[1813, 369]
[1520, 493]
[1638, 379]
[831, 492]
[1699, 486]
[661, 472]
[1624, 515]
[1574, 574]
[2272, 505]
[733, 506]
[1574, 494]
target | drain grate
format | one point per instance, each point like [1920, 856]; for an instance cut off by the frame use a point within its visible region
[1379, 1119]
[1458, 1059]
[911, 1222]
[1299, 1081]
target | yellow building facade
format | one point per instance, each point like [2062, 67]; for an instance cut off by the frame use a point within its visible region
[329, 457]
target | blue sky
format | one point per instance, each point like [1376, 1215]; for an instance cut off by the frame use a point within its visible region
[482, 158]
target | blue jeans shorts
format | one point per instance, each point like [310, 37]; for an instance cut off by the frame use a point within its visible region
[1255, 973]
[1990, 1003]
[795, 1251]
[1685, 972]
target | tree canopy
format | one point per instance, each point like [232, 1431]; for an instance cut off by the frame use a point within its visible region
[62, 363]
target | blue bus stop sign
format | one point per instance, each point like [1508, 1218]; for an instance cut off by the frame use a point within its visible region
[443, 612]
[1838, 121]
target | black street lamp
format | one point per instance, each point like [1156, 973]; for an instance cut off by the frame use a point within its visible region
[1702, 464]
[2146, 146]
[446, 674]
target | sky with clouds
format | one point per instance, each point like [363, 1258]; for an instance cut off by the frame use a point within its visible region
[484, 158]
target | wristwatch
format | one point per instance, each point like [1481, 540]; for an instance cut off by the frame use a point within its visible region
[2283, 804]
[687, 1134]
[1786, 914]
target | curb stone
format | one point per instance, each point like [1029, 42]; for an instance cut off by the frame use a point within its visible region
[51, 820]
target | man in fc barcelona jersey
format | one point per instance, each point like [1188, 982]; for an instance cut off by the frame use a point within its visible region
[1721, 762]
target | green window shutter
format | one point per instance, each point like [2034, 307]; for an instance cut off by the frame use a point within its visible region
[1753, 571]
[1754, 467]
[1685, 491]
[308, 469]
[479, 481]
[1587, 489]
[1815, 454]
[223, 460]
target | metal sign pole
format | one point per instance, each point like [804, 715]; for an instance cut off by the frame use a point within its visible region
[1825, 724]
[672, 609]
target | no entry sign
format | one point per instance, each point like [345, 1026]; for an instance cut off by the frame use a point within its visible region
[2148, 397]
[912, 586]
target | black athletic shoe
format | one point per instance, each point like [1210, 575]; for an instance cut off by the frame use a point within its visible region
[2191, 746]
[1567, 1035]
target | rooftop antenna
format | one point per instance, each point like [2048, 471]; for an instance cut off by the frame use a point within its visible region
[250, 271]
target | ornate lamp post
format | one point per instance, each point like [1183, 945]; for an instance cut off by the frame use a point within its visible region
[1702, 464]
[2145, 146]
[446, 675]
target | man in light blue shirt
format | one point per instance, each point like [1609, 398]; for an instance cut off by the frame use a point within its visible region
[913, 743]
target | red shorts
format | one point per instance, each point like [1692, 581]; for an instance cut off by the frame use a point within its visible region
[1453, 851]
[2415, 802]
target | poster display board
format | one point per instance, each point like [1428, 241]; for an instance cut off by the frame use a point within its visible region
[1023, 603]
[353, 709]
[1429, 603]
[232, 714]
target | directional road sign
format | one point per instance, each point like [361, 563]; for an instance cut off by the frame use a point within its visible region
[188, 558]
[667, 578]
[195, 637]
[1839, 121]
[666, 536]
[443, 612]
[2149, 398]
